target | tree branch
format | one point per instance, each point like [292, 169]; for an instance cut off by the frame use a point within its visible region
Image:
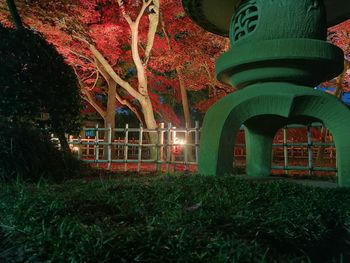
[81, 39]
[104, 63]
[101, 69]
[141, 75]
[96, 79]
[125, 15]
[132, 107]
[81, 55]
[88, 97]
[166, 34]
[134, 27]
[153, 18]
[145, 4]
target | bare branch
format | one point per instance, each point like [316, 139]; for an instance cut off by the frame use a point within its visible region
[89, 98]
[145, 4]
[166, 34]
[81, 55]
[125, 85]
[153, 17]
[125, 15]
[101, 69]
[81, 39]
[93, 73]
[96, 79]
[132, 107]
[141, 75]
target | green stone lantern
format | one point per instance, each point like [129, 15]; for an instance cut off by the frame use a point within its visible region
[278, 54]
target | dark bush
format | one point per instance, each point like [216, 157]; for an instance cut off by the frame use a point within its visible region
[27, 153]
[35, 79]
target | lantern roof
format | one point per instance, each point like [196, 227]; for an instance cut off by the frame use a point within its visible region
[215, 15]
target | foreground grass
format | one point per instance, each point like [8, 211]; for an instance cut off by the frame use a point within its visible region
[173, 219]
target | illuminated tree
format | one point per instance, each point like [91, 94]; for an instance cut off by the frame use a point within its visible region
[108, 34]
[340, 36]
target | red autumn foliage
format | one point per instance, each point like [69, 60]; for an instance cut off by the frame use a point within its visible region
[340, 36]
[178, 44]
[180, 48]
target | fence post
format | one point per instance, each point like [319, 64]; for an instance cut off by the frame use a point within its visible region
[186, 148]
[109, 147]
[173, 148]
[158, 147]
[196, 140]
[168, 150]
[80, 146]
[139, 154]
[285, 149]
[86, 147]
[96, 148]
[161, 141]
[126, 141]
[309, 149]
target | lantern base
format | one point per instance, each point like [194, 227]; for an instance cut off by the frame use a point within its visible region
[263, 109]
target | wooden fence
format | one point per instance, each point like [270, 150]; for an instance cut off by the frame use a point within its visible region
[177, 148]
[310, 149]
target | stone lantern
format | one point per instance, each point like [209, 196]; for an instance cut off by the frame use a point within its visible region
[278, 54]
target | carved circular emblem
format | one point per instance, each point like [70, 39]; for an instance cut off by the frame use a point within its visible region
[245, 20]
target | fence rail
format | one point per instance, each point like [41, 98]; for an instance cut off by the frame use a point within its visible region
[132, 147]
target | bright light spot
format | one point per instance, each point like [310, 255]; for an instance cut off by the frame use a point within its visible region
[75, 149]
[179, 141]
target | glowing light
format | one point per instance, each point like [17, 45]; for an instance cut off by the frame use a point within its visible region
[179, 141]
[75, 149]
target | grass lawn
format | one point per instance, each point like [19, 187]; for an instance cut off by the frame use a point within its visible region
[173, 218]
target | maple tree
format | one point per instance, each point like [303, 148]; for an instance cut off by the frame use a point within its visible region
[105, 27]
[340, 36]
[150, 71]
[191, 53]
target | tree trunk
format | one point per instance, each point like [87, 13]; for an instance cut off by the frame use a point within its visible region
[14, 14]
[150, 121]
[109, 119]
[187, 116]
[184, 99]
[141, 93]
